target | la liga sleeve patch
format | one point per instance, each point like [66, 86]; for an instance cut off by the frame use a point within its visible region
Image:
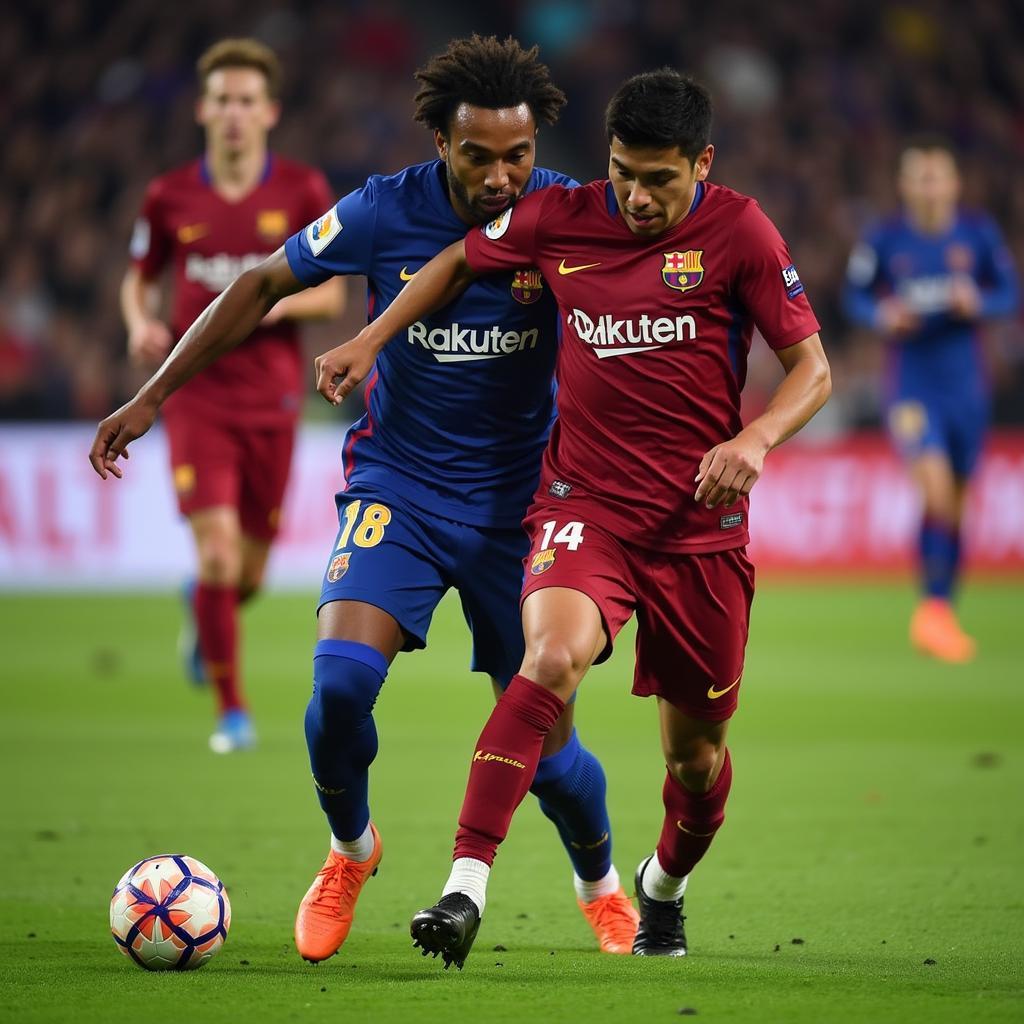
[139, 245]
[497, 227]
[320, 233]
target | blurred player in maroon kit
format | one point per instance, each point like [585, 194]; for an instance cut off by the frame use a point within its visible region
[660, 279]
[231, 429]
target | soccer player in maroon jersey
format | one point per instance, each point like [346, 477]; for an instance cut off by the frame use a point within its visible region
[660, 279]
[231, 428]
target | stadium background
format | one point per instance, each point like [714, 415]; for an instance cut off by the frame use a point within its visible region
[908, 827]
[812, 107]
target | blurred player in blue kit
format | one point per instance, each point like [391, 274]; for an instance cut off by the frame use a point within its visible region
[927, 278]
[440, 470]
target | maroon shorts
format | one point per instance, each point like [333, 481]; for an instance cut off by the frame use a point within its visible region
[692, 610]
[245, 468]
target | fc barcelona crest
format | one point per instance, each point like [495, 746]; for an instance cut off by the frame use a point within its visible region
[272, 224]
[527, 286]
[338, 568]
[542, 561]
[683, 270]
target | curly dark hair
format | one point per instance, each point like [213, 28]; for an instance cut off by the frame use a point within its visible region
[661, 108]
[485, 71]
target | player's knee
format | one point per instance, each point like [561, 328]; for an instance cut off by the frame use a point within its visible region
[345, 685]
[219, 564]
[554, 663]
[694, 764]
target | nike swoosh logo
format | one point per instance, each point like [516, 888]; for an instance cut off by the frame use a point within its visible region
[689, 832]
[563, 269]
[606, 352]
[404, 275]
[715, 694]
[192, 233]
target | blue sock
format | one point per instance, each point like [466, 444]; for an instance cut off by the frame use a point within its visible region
[571, 788]
[954, 562]
[340, 731]
[939, 546]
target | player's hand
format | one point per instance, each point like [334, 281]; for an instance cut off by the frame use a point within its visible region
[896, 317]
[964, 298]
[115, 433]
[729, 470]
[339, 371]
[149, 343]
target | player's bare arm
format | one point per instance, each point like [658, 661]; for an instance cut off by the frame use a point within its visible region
[324, 302]
[441, 281]
[149, 338]
[225, 323]
[729, 470]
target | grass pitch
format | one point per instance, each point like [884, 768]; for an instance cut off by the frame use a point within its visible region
[869, 870]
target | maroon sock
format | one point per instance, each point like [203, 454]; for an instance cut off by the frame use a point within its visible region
[216, 611]
[691, 821]
[504, 763]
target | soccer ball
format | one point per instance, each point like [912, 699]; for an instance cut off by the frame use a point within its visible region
[170, 913]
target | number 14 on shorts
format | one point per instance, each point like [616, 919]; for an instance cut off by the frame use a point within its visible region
[571, 535]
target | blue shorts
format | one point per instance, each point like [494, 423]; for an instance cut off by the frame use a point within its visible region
[403, 560]
[919, 423]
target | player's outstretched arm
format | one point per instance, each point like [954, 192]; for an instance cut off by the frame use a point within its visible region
[441, 281]
[225, 323]
[729, 470]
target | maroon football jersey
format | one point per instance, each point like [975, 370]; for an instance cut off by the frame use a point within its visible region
[209, 241]
[654, 348]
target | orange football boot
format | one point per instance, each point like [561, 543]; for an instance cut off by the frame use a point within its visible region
[934, 630]
[614, 920]
[326, 911]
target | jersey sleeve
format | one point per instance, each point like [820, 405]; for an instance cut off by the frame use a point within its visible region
[997, 275]
[865, 280]
[339, 242]
[510, 240]
[767, 282]
[150, 246]
[542, 178]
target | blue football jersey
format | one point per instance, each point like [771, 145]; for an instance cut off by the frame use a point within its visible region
[941, 357]
[459, 406]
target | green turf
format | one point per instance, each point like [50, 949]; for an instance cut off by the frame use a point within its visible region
[876, 817]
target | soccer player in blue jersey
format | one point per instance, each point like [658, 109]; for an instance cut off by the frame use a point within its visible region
[927, 278]
[439, 471]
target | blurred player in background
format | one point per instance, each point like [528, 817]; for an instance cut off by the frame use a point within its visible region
[440, 470]
[927, 278]
[231, 429]
[660, 279]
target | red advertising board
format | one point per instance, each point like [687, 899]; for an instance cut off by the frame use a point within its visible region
[850, 506]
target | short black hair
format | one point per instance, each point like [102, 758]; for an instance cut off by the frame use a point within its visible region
[485, 71]
[660, 109]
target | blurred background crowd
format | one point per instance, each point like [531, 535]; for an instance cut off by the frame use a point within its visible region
[813, 103]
